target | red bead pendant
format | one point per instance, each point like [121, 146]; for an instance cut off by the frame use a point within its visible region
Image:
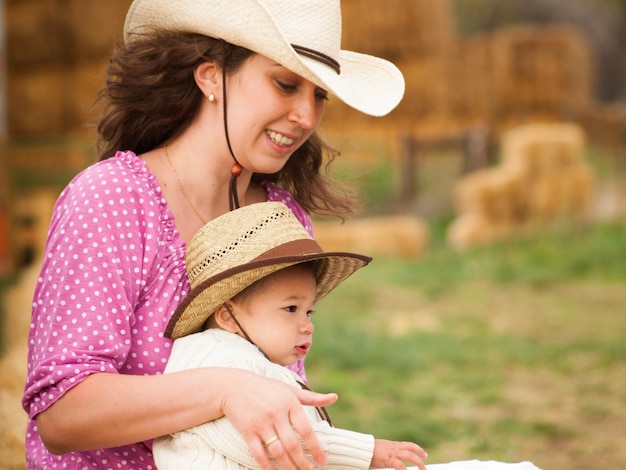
[236, 170]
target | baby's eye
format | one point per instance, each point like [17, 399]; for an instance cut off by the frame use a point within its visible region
[291, 309]
[310, 313]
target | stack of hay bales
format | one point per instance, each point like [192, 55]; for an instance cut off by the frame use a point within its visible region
[550, 159]
[470, 99]
[542, 178]
[56, 54]
[387, 236]
[416, 36]
[395, 29]
[541, 72]
[490, 205]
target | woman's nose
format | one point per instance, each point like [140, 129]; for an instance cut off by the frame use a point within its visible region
[305, 113]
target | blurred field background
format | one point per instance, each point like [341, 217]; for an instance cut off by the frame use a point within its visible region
[512, 352]
[491, 323]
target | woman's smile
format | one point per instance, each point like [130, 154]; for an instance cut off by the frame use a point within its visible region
[280, 139]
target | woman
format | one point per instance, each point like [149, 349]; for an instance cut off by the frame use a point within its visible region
[208, 105]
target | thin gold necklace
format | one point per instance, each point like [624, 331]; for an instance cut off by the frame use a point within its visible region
[181, 187]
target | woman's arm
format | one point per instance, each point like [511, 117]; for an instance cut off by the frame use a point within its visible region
[108, 410]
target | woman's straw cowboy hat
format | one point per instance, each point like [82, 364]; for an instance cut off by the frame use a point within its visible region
[242, 246]
[302, 35]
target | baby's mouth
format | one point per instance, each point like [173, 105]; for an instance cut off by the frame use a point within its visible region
[303, 348]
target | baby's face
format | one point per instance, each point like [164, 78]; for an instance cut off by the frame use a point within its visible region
[277, 316]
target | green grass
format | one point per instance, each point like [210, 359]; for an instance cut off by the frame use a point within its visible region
[495, 353]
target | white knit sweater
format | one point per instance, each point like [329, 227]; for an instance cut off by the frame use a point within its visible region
[217, 445]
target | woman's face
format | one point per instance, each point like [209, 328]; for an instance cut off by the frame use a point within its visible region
[277, 316]
[271, 112]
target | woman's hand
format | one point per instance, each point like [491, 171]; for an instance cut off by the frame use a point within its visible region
[391, 454]
[269, 411]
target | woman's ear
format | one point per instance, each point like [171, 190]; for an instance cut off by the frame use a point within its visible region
[224, 320]
[208, 78]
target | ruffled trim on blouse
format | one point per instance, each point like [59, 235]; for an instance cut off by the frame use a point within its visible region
[170, 237]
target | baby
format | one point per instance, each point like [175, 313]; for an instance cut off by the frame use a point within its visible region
[255, 276]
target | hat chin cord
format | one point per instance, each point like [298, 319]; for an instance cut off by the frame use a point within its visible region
[236, 169]
[232, 315]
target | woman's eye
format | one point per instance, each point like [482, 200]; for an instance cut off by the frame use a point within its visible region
[285, 86]
[321, 95]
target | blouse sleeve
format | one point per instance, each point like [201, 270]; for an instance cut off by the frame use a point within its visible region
[102, 245]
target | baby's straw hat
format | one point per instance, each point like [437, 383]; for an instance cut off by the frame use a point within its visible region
[302, 35]
[242, 246]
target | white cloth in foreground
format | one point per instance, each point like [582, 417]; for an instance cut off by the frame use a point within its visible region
[480, 465]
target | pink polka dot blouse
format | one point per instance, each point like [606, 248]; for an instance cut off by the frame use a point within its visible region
[112, 276]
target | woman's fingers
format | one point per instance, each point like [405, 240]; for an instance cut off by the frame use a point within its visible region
[302, 426]
[260, 454]
[270, 416]
[293, 435]
[288, 450]
[308, 397]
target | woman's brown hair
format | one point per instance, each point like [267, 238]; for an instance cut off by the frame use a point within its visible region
[151, 97]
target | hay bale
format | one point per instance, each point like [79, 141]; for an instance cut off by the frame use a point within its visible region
[397, 28]
[45, 32]
[541, 71]
[496, 194]
[415, 35]
[401, 236]
[490, 204]
[54, 59]
[469, 96]
[38, 101]
[558, 181]
[89, 78]
[426, 88]
[542, 177]
[539, 148]
[93, 40]
[564, 194]
[473, 229]
[34, 33]
[53, 100]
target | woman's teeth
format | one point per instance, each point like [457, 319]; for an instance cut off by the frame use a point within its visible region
[280, 139]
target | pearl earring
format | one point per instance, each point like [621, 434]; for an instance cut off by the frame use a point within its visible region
[211, 98]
